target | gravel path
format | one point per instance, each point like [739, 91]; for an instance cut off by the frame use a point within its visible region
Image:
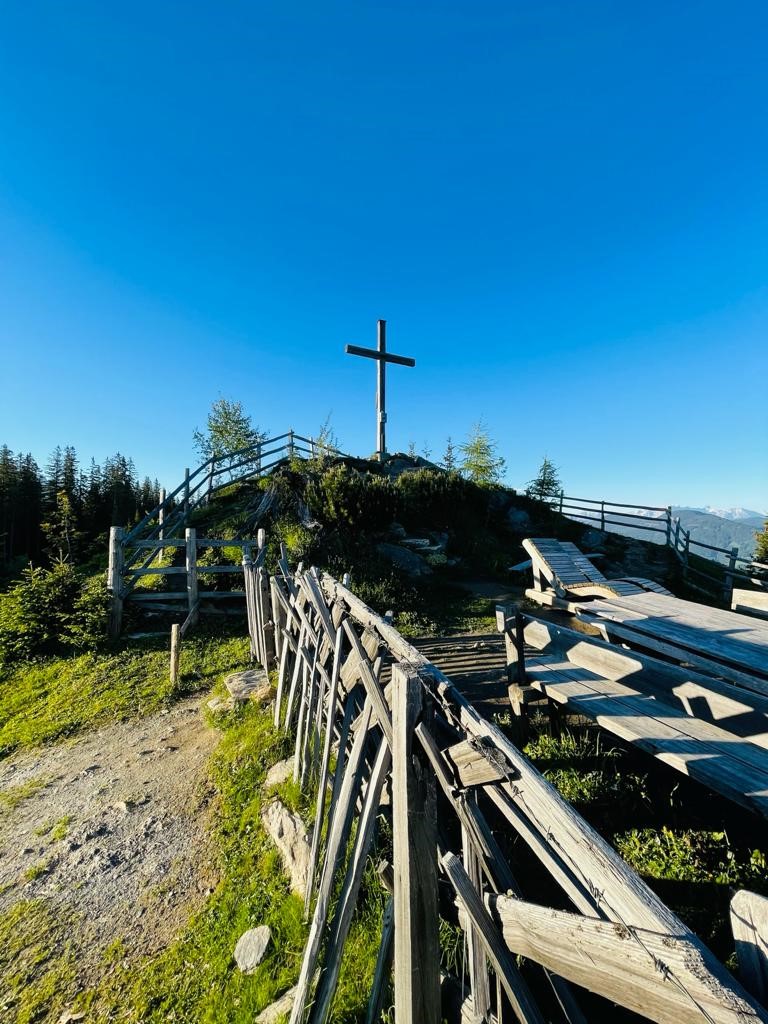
[114, 838]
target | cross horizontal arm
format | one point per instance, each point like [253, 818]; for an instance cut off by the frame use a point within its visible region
[371, 353]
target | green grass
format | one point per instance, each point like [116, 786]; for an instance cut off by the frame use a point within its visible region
[37, 966]
[48, 699]
[12, 796]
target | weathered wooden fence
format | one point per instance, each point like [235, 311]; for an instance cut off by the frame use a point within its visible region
[655, 519]
[133, 553]
[410, 747]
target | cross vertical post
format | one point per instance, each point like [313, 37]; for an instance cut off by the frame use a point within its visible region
[381, 389]
[382, 357]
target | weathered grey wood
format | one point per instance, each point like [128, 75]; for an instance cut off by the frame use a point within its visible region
[161, 522]
[267, 625]
[157, 570]
[750, 602]
[351, 887]
[340, 820]
[175, 651]
[190, 536]
[188, 622]
[479, 983]
[324, 766]
[115, 579]
[285, 659]
[514, 984]
[370, 683]
[660, 976]
[297, 668]
[383, 966]
[472, 767]
[414, 841]
[749, 924]
[701, 696]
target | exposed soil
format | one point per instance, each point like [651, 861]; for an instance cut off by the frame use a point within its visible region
[115, 838]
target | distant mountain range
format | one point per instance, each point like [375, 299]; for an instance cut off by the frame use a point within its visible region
[723, 528]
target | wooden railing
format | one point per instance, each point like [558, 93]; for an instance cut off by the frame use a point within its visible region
[133, 553]
[459, 795]
[659, 520]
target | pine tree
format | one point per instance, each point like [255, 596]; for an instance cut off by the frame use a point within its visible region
[69, 476]
[9, 486]
[60, 529]
[449, 459]
[480, 462]
[761, 550]
[412, 449]
[229, 429]
[426, 451]
[547, 482]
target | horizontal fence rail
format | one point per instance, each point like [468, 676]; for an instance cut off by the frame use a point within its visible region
[410, 748]
[654, 519]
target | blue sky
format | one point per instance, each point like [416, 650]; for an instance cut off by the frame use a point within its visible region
[561, 210]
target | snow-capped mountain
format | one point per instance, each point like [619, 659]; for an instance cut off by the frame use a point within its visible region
[734, 514]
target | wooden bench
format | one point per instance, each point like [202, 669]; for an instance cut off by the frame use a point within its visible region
[567, 571]
[705, 728]
[750, 602]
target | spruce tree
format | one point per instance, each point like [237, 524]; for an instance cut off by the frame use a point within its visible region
[761, 550]
[546, 484]
[449, 459]
[480, 463]
[229, 428]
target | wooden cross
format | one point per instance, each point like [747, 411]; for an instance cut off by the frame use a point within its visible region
[382, 357]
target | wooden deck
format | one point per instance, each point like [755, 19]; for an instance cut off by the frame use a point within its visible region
[726, 643]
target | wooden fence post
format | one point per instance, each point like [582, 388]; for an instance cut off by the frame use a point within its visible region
[728, 588]
[417, 947]
[602, 516]
[562, 499]
[210, 479]
[190, 536]
[161, 523]
[290, 444]
[267, 625]
[186, 491]
[677, 534]
[669, 526]
[115, 579]
[175, 651]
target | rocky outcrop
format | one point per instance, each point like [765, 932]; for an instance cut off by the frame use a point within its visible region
[289, 835]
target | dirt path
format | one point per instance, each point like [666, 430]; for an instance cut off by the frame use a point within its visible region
[112, 831]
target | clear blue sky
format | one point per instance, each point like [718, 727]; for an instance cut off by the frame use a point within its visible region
[560, 208]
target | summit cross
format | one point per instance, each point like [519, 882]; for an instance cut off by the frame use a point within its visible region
[382, 357]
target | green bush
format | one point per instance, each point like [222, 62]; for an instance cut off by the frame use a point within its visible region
[50, 609]
[341, 496]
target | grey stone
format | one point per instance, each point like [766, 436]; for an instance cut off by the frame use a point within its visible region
[518, 520]
[279, 773]
[251, 947]
[220, 705]
[416, 542]
[242, 684]
[397, 531]
[281, 1008]
[404, 559]
[289, 835]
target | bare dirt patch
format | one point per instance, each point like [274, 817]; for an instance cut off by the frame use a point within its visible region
[110, 831]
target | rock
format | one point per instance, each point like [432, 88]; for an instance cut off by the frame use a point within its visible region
[518, 520]
[251, 947]
[220, 705]
[404, 559]
[263, 694]
[281, 1008]
[279, 773]
[396, 531]
[416, 542]
[242, 684]
[70, 1016]
[289, 835]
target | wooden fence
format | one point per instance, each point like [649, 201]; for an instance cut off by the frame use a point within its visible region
[458, 793]
[655, 519]
[133, 553]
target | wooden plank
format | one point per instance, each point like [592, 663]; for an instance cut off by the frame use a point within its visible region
[514, 984]
[193, 598]
[750, 602]
[713, 756]
[741, 712]
[414, 826]
[351, 887]
[175, 651]
[660, 976]
[749, 924]
[340, 821]
[372, 688]
[472, 766]
[383, 966]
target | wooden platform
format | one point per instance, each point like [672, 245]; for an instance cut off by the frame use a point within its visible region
[726, 643]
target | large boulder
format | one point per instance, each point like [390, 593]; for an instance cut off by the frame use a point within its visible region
[289, 835]
[404, 559]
